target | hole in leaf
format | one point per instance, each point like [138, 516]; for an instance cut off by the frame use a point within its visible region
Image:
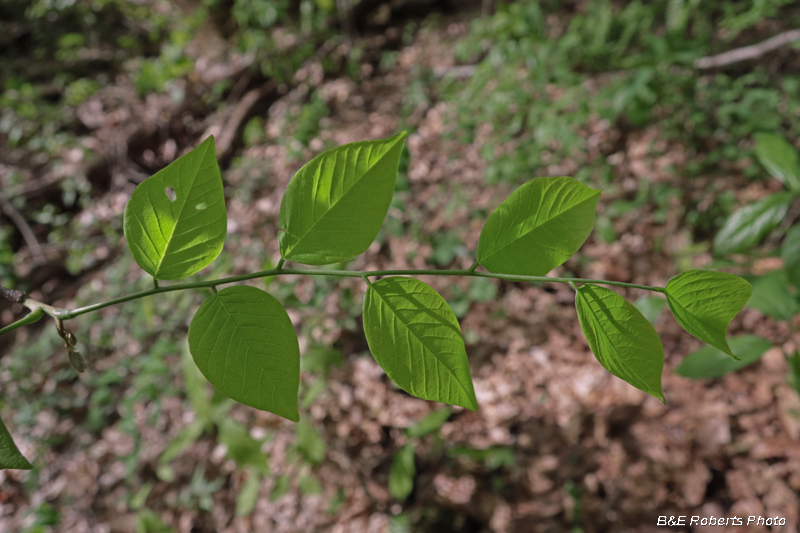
[171, 194]
[200, 206]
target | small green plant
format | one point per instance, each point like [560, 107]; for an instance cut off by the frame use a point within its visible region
[776, 293]
[748, 226]
[403, 471]
[241, 337]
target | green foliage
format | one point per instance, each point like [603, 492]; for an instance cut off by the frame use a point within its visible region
[248, 495]
[492, 458]
[10, 457]
[242, 448]
[622, 339]
[650, 307]
[541, 86]
[149, 522]
[709, 362]
[415, 337]
[790, 253]
[175, 222]
[704, 303]
[779, 158]
[310, 445]
[244, 343]
[401, 476]
[334, 206]
[794, 370]
[541, 225]
[750, 224]
[773, 296]
[431, 423]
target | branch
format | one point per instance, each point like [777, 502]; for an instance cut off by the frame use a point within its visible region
[23, 227]
[30, 318]
[66, 314]
[753, 51]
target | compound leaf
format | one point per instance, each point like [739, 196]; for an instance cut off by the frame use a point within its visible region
[175, 222]
[10, 456]
[704, 303]
[709, 362]
[244, 343]
[401, 476]
[779, 158]
[538, 227]
[335, 205]
[771, 296]
[747, 226]
[415, 337]
[790, 253]
[622, 339]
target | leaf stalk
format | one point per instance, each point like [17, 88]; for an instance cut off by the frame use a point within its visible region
[66, 314]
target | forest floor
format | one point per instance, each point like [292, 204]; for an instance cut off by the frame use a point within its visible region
[557, 444]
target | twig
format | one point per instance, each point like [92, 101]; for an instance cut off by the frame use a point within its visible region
[227, 132]
[22, 226]
[753, 51]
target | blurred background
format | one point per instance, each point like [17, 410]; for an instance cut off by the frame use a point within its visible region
[696, 154]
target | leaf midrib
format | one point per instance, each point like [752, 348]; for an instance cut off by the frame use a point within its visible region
[709, 328]
[180, 211]
[435, 356]
[595, 323]
[344, 193]
[498, 250]
[255, 354]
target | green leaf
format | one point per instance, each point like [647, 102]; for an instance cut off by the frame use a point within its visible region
[248, 495]
[709, 362]
[651, 307]
[794, 370]
[704, 303]
[281, 487]
[622, 339]
[401, 476]
[149, 522]
[187, 436]
[10, 457]
[538, 227]
[196, 386]
[493, 458]
[779, 158]
[335, 205]
[309, 485]
[174, 238]
[772, 297]
[400, 524]
[242, 448]
[790, 253]
[415, 337]
[747, 226]
[244, 343]
[482, 290]
[310, 445]
[432, 422]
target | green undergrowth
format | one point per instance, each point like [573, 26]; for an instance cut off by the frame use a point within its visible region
[547, 80]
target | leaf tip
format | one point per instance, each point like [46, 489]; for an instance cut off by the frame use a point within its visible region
[729, 353]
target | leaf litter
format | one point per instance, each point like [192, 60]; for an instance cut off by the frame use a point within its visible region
[722, 447]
